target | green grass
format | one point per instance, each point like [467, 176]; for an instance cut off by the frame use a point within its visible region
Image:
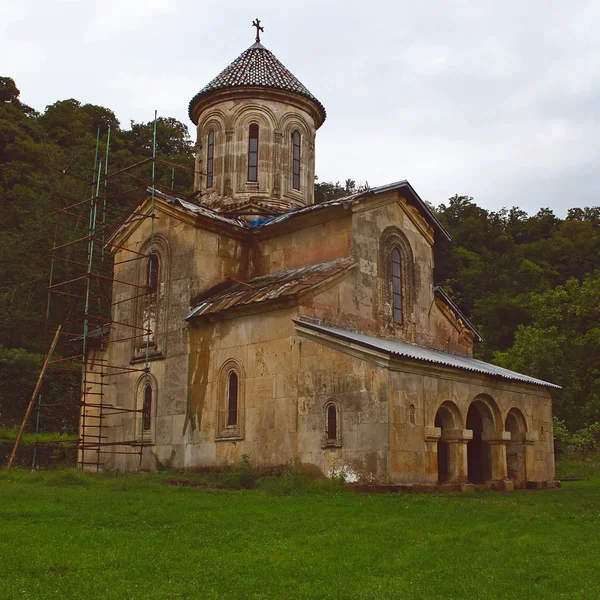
[582, 465]
[10, 435]
[68, 535]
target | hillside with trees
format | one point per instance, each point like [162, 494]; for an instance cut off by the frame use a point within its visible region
[530, 283]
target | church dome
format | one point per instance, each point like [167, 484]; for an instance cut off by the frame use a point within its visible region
[256, 67]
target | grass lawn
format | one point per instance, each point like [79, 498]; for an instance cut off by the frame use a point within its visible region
[66, 535]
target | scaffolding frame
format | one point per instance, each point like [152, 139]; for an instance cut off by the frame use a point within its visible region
[85, 285]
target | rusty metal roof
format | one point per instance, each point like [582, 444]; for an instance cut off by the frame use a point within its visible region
[269, 287]
[200, 210]
[346, 201]
[257, 67]
[396, 349]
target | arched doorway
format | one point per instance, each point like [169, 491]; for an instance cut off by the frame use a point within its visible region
[480, 420]
[447, 419]
[515, 451]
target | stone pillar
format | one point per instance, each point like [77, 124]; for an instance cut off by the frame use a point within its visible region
[528, 440]
[432, 435]
[228, 162]
[457, 440]
[277, 164]
[198, 166]
[497, 441]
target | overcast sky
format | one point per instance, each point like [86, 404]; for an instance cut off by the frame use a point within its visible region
[497, 100]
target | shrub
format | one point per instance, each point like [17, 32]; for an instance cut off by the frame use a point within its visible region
[562, 437]
[588, 438]
[242, 475]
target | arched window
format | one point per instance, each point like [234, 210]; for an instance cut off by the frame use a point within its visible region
[147, 408]
[210, 153]
[396, 280]
[152, 273]
[396, 286]
[296, 160]
[331, 422]
[253, 152]
[332, 436]
[232, 400]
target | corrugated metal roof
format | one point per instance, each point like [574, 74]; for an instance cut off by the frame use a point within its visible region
[412, 351]
[269, 287]
[256, 66]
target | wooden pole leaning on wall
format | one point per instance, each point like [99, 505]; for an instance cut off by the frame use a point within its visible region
[33, 397]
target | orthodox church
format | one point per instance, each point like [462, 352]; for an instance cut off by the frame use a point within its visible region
[292, 331]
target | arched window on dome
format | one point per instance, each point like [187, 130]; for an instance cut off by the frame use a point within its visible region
[253, 152]
[396, 285]
[296, 160]
[210, 153]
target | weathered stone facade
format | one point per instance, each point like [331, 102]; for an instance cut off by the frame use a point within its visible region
[281, 339]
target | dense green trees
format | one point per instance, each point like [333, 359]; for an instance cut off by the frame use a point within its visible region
[34, 150]
[530, 283]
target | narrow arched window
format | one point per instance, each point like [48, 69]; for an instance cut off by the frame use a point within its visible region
[253, 152]
[397, 285]
[331, 422]
[147, 408]
[210, 154]
[296, 160]
[232, 400]
[153, 273]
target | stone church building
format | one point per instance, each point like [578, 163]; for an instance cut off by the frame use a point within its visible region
[293, 331]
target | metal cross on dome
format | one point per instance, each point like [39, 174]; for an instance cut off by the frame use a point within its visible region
[256, 23]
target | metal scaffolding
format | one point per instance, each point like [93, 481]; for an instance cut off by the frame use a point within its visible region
[80, 297]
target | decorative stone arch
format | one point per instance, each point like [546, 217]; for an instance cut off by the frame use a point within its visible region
[332, 420]
[448, 416]
[288, 125]
[394, 238]
[484, 458]
[264, 117]
[450, 451]
[144, 434]
[247, 111]
[151, 310]
[225, 429]
[215, 121]
[516, 449]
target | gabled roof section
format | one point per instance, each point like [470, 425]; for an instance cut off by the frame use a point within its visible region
[400, 186]
[268, 287]
[438, 291]
[199, 210]
[257, 67]
[396, 349]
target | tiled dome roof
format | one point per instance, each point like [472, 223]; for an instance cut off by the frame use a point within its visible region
[257, 66]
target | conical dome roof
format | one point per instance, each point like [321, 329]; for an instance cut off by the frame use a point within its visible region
[257, 66]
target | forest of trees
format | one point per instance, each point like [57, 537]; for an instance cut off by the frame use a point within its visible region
[529, 283]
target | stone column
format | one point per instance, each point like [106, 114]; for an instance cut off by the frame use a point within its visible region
[497, 441]
[528, 440]
[228, 163]
[457, 440]
[277, 151]
[432, 435]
